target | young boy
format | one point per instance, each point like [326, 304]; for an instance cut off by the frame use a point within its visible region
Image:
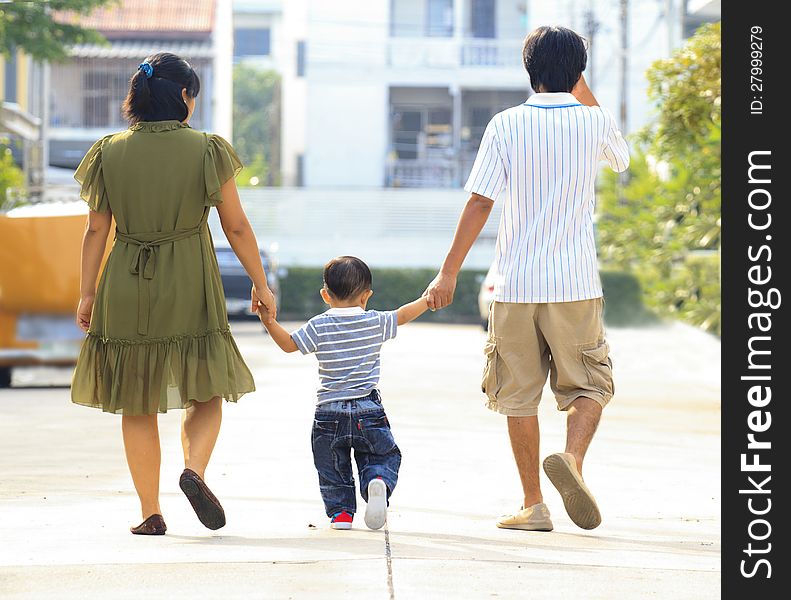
[349, 414]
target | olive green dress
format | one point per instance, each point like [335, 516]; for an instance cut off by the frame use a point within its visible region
[159, 335]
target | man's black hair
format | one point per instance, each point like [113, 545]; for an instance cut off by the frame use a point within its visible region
[555, 58]
[346, 277]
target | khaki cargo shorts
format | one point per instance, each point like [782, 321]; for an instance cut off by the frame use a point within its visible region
[528, 341]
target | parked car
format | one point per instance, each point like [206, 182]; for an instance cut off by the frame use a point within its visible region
[237, 284]
[486, 295]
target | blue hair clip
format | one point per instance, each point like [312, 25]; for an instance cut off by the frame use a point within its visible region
[147, 69]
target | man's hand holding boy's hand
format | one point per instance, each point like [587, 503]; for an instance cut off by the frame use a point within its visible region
[439, 293]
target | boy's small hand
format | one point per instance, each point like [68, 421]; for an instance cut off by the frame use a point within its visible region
[264, 315]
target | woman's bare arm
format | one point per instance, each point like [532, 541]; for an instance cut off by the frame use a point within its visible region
[242, 239]
[94, 241]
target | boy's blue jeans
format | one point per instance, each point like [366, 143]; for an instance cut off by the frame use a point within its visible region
[362, 425]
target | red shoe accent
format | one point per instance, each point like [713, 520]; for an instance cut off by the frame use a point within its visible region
[342, 517]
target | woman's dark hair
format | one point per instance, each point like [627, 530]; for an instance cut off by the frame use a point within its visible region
[158, 97]
[554, 57]
[346, 277]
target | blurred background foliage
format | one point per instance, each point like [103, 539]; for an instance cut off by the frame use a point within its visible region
[11, 178]
[661, 222]
[29, 26]
[256, 123]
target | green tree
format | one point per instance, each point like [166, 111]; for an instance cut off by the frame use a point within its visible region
[256, 124]
[30, 26]
[663, 225]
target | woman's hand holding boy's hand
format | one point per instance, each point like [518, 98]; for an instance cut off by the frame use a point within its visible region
[262, 299]
[265, 316]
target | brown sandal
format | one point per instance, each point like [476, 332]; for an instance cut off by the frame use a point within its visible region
[204, 503]
[153, 525]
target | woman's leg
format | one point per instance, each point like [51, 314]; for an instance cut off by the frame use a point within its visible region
[141, 443]
[199, 430]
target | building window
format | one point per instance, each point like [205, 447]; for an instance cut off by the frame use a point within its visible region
[10, 76]
[439, 21]
[422, 133]
[300, 179]
[251, 42]
[301, 58]
[103, 92]
[482, 19]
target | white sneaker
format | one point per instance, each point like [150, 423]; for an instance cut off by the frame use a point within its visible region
[376, 510]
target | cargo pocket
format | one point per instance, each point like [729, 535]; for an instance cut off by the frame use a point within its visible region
[489, 383]
[599, 367]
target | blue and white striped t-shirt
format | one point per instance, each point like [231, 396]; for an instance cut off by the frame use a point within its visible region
[346, 342]
[543, 156]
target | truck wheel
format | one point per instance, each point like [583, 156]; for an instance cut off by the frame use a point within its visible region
[5, 377]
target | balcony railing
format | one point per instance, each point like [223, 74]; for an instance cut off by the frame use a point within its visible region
[452, 53]
[434, 173]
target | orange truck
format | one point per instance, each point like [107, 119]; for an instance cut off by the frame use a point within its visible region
[39, 285]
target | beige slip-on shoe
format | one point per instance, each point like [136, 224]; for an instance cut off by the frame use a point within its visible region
[532, 518]
[561, 468]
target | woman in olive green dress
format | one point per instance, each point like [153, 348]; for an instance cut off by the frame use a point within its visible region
[157, 327]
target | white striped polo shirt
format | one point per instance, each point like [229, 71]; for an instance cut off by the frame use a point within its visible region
[346, 342]
[545, 154]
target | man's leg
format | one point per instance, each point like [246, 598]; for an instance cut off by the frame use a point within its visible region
[581, 424]
[525, 437]
[581, 378]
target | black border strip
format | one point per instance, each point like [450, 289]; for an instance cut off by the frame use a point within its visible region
[755, 270]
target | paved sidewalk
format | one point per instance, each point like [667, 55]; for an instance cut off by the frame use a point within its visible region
[66, 498]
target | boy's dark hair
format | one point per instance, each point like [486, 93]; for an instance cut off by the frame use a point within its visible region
[158, 97]
[346, 276]
[555, 58]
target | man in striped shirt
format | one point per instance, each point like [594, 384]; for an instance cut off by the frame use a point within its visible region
[542, 158]
[346, 340]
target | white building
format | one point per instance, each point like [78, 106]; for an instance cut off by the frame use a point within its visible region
[394, 93]
[86, 92]
[397, 92]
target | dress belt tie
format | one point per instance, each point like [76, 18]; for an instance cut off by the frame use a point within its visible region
[144, 262]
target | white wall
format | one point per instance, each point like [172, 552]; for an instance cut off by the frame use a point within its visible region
[346, 135]
[409, 17]
[409, 228]
[293, 90]
[510, 19]
[347, 106]
[222, 74]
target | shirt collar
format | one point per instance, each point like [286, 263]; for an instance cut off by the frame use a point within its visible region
[552, 99]
[346, 310]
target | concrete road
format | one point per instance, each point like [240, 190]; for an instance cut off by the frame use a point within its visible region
[66, 498]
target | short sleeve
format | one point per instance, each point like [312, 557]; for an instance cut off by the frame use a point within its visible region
[389, 322]
[90, 176]
[488, 174]
[306, 338]
[615, 149]
[220, 163]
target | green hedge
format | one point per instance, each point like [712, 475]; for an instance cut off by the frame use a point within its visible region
[623, 297]
[393, 287]
[300, 298]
